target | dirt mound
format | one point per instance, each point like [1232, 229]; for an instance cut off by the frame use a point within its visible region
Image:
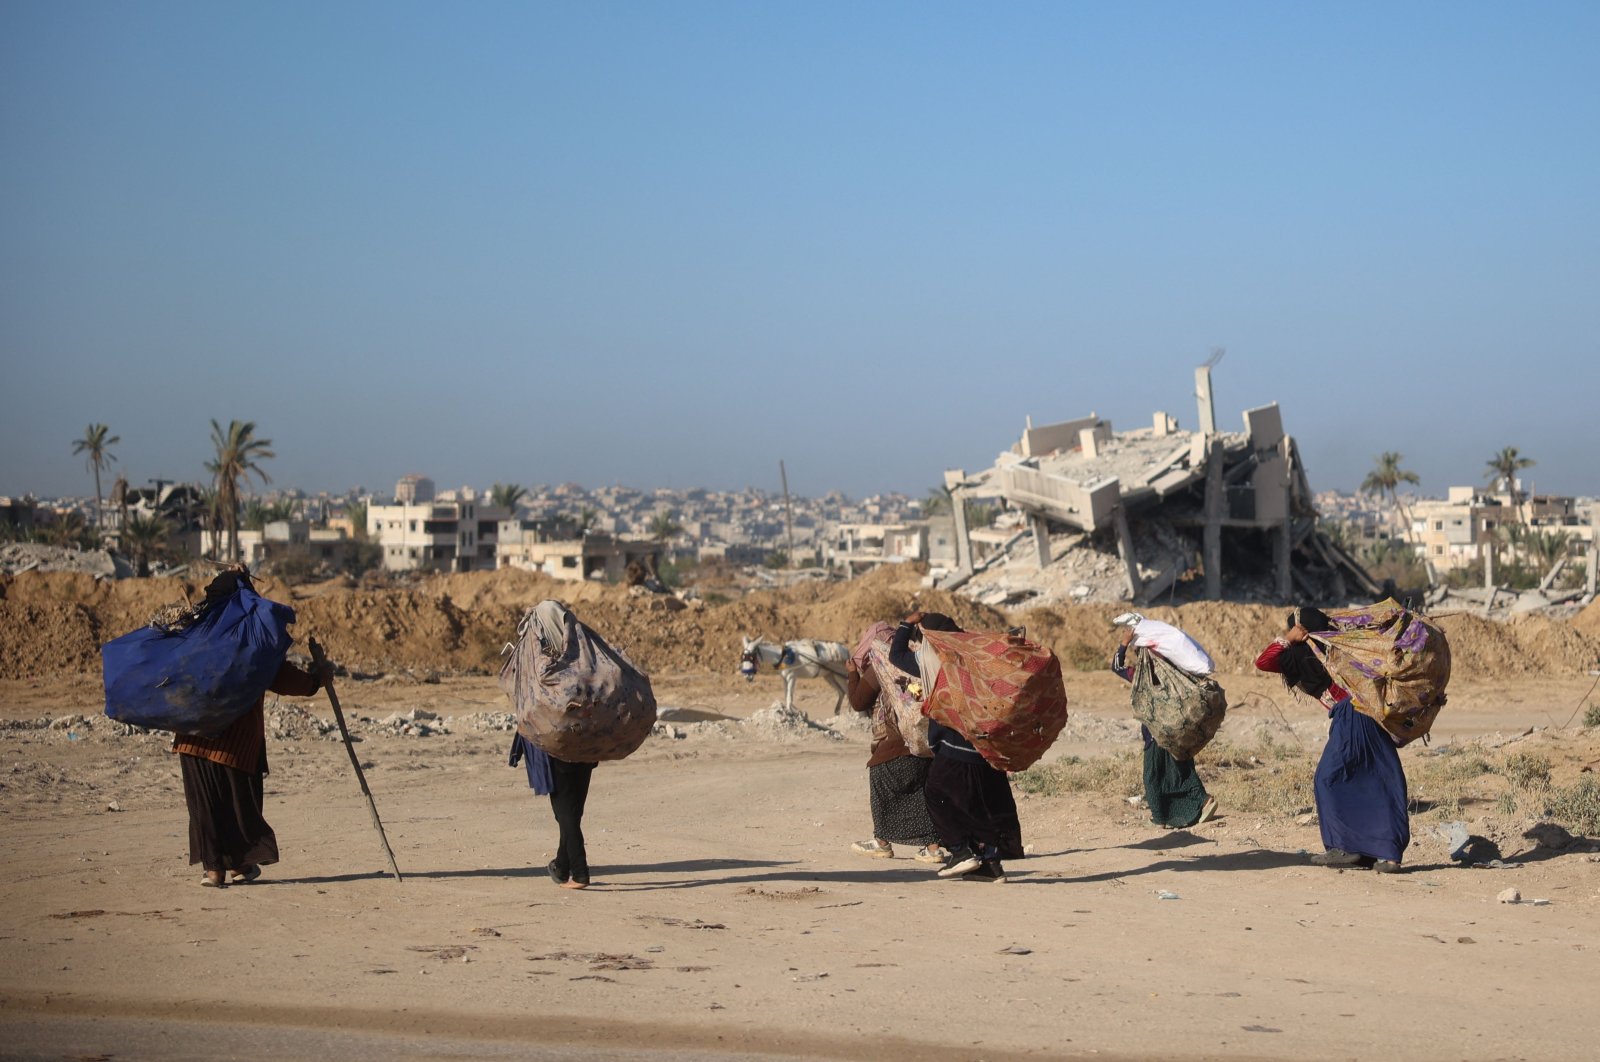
[1588, 621]
[56, 622]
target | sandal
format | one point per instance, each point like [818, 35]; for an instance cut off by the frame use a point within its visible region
[247, 874]
[209, 882]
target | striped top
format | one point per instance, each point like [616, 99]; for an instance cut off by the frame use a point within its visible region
[243, 746]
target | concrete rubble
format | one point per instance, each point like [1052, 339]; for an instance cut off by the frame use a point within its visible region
[1153, 515]
[19, 557]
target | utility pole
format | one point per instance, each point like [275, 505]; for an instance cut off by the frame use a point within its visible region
[788, 511]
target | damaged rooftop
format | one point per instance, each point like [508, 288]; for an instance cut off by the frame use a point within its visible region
[1154, 514]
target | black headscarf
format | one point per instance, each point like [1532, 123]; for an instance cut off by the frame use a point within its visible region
[900, 654]
[1298, 663]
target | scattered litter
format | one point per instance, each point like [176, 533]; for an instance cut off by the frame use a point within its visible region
[1163, 894]
[1015, 949]
[809, 977]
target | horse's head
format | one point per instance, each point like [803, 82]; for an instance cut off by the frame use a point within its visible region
[749, 658]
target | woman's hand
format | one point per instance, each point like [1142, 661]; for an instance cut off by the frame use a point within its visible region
[1297, 633]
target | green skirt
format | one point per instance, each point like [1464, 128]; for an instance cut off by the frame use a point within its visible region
[1172, 787]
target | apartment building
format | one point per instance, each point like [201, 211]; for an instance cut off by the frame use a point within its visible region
[457, 536]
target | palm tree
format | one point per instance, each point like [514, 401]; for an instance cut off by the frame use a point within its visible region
[69, 531]
[258, 514]
[96, 444]
[937, 501]
[1504, 466]
[1547, 547]
[144, 537]
[1384, 479]
[356, 513]
[238, 451]
[507, 495]
[211, 518]
[663, 526]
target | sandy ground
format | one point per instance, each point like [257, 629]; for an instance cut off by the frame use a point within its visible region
[729, 917]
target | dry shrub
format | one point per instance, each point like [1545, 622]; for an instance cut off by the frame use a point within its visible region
[1577, 807]
[1120, 773]
[1526, 771]
[1283, 789]
[1080, 657]
[1450, 778]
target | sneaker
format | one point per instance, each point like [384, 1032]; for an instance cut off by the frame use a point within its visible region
[931, 853]
[557, 875]
[1208, 810]
[960, 861]
[875, 848]
[1386, 866]
[989, 870]
[1336, 857]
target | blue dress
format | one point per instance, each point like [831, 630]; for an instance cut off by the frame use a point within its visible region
[1361, 788]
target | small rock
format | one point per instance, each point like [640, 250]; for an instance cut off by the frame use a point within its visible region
[1510, 896]
[1465, 940]
[1015, 949]
[113, 806]
[1309, 819]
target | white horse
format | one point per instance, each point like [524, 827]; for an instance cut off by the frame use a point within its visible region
[803, 658]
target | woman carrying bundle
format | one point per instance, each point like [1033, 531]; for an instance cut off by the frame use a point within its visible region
[1360, 785]
[969, 801]
[577, 701]
[1173, 791]
[222, 776]
[895, 776]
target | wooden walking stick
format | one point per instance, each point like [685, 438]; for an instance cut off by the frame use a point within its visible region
[338, 714]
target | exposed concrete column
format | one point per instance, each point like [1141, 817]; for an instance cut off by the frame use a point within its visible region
[1594, 547]
[958, 512]
[1041, 538]
[1283, 544]
[1488, 561]
[1125, 550]
[1282, 548]
[953, 479]
[1202, 394]
[1213, 529]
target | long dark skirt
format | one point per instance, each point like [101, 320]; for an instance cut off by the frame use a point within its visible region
[1172, 788]
[569, 792]
[971, 806]
[1361, 788]
[226, 830]
[899, 809]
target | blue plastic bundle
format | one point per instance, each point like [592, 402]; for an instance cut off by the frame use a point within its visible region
[199, 679]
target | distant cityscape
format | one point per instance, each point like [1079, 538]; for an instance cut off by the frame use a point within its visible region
[573, 532]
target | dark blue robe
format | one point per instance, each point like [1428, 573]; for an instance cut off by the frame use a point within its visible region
[1361, 788]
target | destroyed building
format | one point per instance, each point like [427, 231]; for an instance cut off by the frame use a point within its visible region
[1154, 515]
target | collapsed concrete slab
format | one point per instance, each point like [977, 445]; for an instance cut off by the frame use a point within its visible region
[1186, 514]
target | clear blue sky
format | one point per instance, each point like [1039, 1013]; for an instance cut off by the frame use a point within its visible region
[671, 243]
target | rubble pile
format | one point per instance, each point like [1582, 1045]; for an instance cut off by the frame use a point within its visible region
[1154, 515]
[18, 557]
[293, 722]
